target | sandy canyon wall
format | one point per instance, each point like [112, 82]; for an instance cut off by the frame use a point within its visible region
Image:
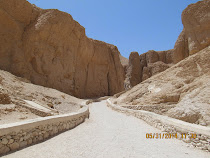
[51, 49]
[196, 33]
[194, 37]
[181, 92]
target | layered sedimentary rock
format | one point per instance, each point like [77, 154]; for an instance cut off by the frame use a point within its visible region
[51, 49]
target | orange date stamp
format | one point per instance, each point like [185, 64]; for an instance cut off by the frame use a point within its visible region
[170, 135]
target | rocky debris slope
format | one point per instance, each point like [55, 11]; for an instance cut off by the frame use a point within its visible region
[194, 37]
[51, 49]
[16, 93]
[182, 91]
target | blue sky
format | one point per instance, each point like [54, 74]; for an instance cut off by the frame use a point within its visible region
[131, 25]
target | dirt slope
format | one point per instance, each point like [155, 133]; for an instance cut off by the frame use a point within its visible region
[182, 91]
[16, 93]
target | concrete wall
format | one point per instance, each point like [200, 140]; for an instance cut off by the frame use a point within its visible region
[18, 135]
[171, 125]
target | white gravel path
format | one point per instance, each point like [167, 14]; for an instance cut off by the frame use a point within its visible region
[109, 134]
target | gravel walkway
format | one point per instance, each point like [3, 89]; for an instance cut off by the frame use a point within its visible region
[109, 134]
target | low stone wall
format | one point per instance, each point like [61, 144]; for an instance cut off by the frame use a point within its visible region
[158, 109]
[171, 125]
[18, 135]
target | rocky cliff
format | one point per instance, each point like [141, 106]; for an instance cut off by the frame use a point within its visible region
[51, 49]
[194, 37]
[182, 91]
[146, 65]
[196, 33]
[133, 70]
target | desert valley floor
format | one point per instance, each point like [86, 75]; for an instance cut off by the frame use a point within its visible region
[109, 134]
[66, 95]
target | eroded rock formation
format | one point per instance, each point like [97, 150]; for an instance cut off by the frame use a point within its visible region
[182, 91]
[51, 49]
[194, 37]
[154, 62]
[133, 70]
[146, 65]
[196, 33]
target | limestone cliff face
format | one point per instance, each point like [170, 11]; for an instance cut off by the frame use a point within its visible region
[133, 70]
[181, 49]
[196, 33]
[146, 65]
[194, 37]
[51, 49]
[154, 62]
[182, 91]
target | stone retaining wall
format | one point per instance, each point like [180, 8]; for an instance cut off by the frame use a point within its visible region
[18, 135]
[171, 125]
